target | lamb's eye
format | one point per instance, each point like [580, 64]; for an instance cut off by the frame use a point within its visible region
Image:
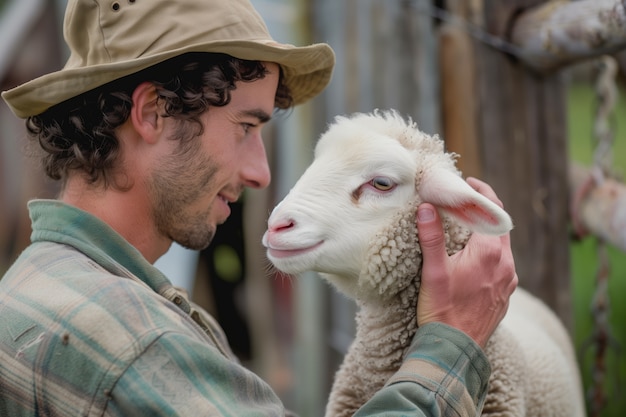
[382, 183]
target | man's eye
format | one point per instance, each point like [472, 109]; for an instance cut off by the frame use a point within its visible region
[248, 126]
[382, 183]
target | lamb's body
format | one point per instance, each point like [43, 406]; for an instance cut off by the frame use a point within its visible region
[539, 352]
[351, 217]
[533, 362]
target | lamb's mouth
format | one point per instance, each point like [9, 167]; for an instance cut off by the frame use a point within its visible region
[278, 253]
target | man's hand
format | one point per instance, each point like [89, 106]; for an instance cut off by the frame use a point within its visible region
[469, 290]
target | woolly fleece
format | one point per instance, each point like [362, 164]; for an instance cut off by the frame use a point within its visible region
[534, 369]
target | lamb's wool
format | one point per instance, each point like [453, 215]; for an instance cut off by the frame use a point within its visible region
[386, 324]
[393, 258]
[383, 335]
[534, 370]
[528, 377]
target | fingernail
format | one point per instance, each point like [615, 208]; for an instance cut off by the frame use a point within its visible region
[425, 214]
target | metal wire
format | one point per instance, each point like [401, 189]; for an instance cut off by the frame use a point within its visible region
[473, 30]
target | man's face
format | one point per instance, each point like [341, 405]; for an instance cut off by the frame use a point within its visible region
[193, 183]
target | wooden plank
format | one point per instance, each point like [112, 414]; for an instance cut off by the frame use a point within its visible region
[458, 97]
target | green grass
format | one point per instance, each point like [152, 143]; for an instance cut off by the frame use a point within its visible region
[581, 107]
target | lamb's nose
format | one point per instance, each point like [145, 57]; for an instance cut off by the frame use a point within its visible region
[280, 225]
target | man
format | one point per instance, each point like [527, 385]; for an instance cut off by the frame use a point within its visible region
[153, 128]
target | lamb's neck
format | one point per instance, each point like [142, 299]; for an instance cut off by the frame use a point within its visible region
[383, 334]
[384, 331]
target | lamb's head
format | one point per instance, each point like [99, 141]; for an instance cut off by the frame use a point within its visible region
[351, 216]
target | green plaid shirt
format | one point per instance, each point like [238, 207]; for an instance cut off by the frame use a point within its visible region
[89, 328]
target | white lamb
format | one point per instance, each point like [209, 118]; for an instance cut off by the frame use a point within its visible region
[351, 217]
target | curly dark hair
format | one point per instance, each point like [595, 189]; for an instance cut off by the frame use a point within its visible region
[79, 134]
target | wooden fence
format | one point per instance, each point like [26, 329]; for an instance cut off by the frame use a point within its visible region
[488, 76]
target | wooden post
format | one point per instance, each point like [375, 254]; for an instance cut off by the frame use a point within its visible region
[521, 140]
[458, 98]
[561, 32]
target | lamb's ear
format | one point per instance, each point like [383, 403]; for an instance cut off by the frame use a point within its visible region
[453, 195]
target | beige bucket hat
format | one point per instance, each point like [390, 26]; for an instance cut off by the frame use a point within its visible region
[109, 39]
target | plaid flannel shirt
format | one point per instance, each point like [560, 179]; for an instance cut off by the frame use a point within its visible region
[88, 327]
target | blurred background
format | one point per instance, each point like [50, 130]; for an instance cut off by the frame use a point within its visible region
[533, 118]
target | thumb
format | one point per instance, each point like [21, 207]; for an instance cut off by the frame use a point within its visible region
[431, 236]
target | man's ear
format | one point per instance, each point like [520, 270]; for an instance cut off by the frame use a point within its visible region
[144, 113]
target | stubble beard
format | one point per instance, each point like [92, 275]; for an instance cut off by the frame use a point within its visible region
[179, 181]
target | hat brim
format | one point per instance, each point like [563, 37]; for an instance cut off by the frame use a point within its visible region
[307, 71]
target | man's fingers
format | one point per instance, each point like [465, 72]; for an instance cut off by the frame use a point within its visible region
[430, 233]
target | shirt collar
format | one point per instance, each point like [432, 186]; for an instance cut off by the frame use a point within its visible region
[55, 221]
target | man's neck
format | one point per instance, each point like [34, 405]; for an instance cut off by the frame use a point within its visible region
[125, 211]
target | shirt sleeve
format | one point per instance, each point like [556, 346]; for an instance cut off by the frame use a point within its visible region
[445, 373]
[179, 376]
